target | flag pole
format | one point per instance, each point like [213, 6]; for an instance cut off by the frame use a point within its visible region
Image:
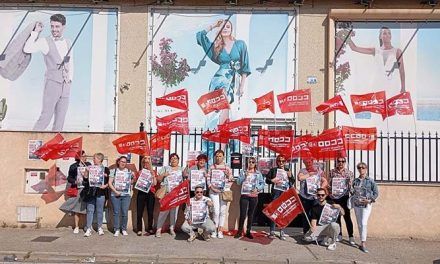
[305, 214]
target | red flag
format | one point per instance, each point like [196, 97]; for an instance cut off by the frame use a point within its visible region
[213, 101]
[284, 209]
[300, 147]
[160, 141]
[64, 150]
[265, 102]
[330, 144]
[177, 99]
[400, 104]
[216, 136]
[133, 143]
[358, 138]
[371, 102]
[295, 101]
[48, 146]
[55, 177]
[279, 141]
[239, 129]
[52, 196]
[333, 104]
[179, 195]
[177, 122]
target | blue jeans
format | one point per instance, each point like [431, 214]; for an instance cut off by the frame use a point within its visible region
[275, 195]
[95, 204]
[120, 207]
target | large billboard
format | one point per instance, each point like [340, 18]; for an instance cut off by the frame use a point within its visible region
[58, 69]
[393, 57]
[246, 53]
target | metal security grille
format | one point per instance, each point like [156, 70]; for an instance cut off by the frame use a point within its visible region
[399, 157]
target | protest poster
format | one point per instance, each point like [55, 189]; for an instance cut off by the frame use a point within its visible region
[312, 183]
[33, 145]
[360, 197]
[122, 182]
[339, 186]
[199, 211]
[174, 179]
[283, 183]
[144, 181]
[197, 178]
[96, 175]
[249, 184]
[80, 172]
[218, 179]
[329, 215]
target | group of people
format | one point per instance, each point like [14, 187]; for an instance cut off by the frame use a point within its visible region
[205, 214]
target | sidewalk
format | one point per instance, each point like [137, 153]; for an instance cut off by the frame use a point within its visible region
[67, 247]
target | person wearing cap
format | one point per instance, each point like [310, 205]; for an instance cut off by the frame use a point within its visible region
[76, 205]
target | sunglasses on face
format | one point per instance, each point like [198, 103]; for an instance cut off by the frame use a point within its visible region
[199, 192]
[321, 195]
[251, 162]
[361, 168]
[341, 161]
[281, 161]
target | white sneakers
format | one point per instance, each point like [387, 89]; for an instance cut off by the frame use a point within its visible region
[172, 233]
[76, 230]
[214, 234]
[220, 234]
[88, 232]
[124, 233]
[100, 231]
[351, 241]
[192, 237]
[339, 238]
[332, 246]
[116, 234]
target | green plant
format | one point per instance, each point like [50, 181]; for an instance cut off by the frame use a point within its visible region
[170, 71]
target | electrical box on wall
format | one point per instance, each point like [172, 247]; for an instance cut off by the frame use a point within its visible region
[34, 178]
[27, 214]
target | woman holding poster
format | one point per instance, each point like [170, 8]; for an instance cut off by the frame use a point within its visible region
[197, 174]
[220, 182]
[120, 183]
[145, 185]
[365, 192]
[94, 193]
[170, 177]
[311, 178]
[281, 179]
[252, 183]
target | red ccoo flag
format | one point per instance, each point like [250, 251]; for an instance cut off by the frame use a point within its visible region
[266, 101]
[216, 136]
[279, 141]
[179, 195]
[48, 146]
[239, 129]
[177, 99]
[160, 141]
[213, 101]
[300, 147]
[400, 104]
[133, 143]
[295, 101]
[177, 122]
[64, 150]
[284, 209]
[371, 102]
[330, 144]
[359, 138]
[333, 104]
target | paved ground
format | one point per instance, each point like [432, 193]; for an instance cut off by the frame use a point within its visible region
[70, 248]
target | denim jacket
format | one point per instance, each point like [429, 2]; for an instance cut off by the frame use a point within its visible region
[370, 187]
[260, 180]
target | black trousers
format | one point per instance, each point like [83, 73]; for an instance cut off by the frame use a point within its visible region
[247, 207]
[143, 199]
[307, 204]
[343, 203]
